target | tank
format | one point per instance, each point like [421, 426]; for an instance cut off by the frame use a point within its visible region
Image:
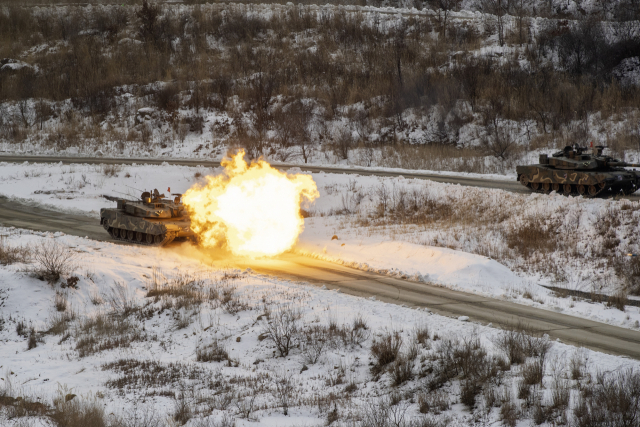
[151, 221]
[580, 171]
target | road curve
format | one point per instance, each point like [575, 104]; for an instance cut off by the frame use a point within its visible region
[569, 329]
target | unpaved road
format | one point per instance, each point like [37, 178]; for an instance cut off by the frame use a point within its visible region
[573, 330]
[508, 185]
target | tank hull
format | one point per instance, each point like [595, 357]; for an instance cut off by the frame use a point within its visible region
[144, 231]
[544, 179]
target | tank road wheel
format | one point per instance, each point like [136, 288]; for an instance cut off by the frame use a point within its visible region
[582, 189]
[593, 190]
[130, 234]
[139, 236]
[556, 187]
[158, 238]
[566, 189]
[149, 238]
[119, 232]
[546, 187]
[535, 186]
[524, 181]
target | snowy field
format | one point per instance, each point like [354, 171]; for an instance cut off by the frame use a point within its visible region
[474, 244]
[173, 336]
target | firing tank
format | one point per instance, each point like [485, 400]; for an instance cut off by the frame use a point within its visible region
[573, 171]
[151, 221]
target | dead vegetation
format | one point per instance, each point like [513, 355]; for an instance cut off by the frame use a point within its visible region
[518, 231]
[106, 332]
[53, 260]
[10, 254]
[393, 81]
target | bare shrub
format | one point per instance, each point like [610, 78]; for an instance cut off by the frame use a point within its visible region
[284, 390]
[61, 302]
[618, 300]
[533, 372]
[535, 346]
[214, 352]
[315, 340]
[401, 370]
[421, 333]
[53, 260]
[282, 328]
[182, 411]
[614, 399]
[577, 364]
[560, 394]
[384, 350]
[509, 414]
[510, 342]
[231, 301]
[469, 389]
[359, 331]
[433, 402]
[110, 170]
[33, 340]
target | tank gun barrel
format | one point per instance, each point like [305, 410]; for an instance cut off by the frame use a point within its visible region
[624, 164]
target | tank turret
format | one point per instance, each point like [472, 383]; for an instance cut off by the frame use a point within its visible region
[580, 171]
[152, 220]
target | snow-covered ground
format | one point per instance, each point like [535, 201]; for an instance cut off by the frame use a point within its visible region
[207, 306]
[471, 258]
[169, 333]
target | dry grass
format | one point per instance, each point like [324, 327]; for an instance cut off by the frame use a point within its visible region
[385, 350]
[214, 352]
[106, 332]
[13, 254]
[143, 374]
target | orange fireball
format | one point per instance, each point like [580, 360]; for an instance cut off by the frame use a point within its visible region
[253, 209]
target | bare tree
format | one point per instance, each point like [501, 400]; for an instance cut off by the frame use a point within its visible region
[496, 9]
[444, 9]
[282, 328]
[343, 143]
[520, 9]
[25, 113]
[498, 141]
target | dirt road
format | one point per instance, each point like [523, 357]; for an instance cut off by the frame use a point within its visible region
[503, 184]
[573, 330]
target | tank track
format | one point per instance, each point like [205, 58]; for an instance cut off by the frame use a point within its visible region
[154, 240]
[577, 190]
